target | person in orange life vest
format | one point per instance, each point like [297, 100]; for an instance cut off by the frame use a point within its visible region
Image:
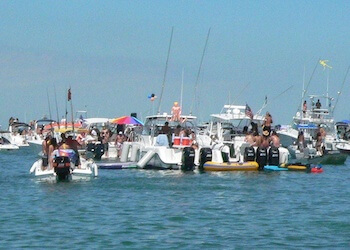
[176, 112]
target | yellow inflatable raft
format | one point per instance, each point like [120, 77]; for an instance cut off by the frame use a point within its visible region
[234, 166]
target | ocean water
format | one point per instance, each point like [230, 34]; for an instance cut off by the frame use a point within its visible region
[136, 209]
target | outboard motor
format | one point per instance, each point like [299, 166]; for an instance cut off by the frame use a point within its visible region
[97, 149]
[205, 155]
[274, 156]
[61, 165]
[261, 157]
[188, 154]
[249, 154]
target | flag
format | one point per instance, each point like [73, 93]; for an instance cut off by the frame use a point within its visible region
[69, 95]
[248, 112]
[324, 64]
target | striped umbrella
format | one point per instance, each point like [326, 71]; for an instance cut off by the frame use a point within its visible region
[127, 120]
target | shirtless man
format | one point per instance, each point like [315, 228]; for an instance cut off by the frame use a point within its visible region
[275, 140]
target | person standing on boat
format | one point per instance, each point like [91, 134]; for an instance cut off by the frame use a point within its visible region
[301, 141]
[267, 122]
[304, 108]
[105, 134]
[318, 104]
[176, 112]
[119, 143]
[53, 146]
[45, 150]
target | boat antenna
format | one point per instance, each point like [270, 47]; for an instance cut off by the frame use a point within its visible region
[265, 104]
[341, 89]
[199, 72]
[165, 71]
[58, 119]
[182, 87]
[237, 96]
[48, 101]
[307, 85]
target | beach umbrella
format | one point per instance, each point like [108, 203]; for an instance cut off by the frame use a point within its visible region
[127, 120]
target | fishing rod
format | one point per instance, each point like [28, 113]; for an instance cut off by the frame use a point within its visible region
[339, 92]
[58, 119]
[308, 84]
[199, 71]
[273, 100]
[165, 71]
[48, 100]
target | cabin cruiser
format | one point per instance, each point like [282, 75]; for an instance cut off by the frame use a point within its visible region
[64, 167]
[157, 149]
[5, 144]
[19, 133]
[36, 136]
[230, 148]
[314, 122]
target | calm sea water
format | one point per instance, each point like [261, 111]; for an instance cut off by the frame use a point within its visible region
[169, 209]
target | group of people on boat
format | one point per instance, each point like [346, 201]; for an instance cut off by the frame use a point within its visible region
[51, 149]
[267, 138]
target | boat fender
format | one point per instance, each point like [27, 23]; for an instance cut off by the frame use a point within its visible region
[188, 155]
[205, 155]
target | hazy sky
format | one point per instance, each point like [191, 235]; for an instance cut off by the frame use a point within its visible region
[113, 54]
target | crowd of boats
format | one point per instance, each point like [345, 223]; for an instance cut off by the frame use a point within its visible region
[234, 139]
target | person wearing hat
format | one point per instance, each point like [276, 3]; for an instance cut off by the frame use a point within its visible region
[267, 123]
[176, 112]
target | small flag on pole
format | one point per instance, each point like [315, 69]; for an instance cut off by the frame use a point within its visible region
[248, 112]
[324, 64]
[69, 95]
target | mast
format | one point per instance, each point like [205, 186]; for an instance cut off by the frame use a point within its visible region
[199, 71]
[182, 88]
[48, 101]
[341, 89]
[165, 71]
[58, 119]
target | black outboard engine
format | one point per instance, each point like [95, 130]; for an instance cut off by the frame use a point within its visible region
[188, 154]
[274, 156]
[97, 149]
[261, 157]
[61, 165]
[249, 154]
[205, 155]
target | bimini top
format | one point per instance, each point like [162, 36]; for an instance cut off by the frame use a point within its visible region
[235, 112]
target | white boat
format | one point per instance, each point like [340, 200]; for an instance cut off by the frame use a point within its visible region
[19, 134]
[229, 145]
[36, 136]
[310, 121]
[64, 169]
[155, 150]
[5, 144]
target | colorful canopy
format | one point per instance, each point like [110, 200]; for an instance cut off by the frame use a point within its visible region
[127, 120]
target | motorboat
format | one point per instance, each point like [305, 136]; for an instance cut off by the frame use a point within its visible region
[311, 122]
[64, 167]
[19, 133]
[154, 149]
[229, 149]
[5, 144]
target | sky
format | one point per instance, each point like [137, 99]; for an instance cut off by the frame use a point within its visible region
[112, 54]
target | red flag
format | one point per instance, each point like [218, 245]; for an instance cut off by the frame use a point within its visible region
[69, 95]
